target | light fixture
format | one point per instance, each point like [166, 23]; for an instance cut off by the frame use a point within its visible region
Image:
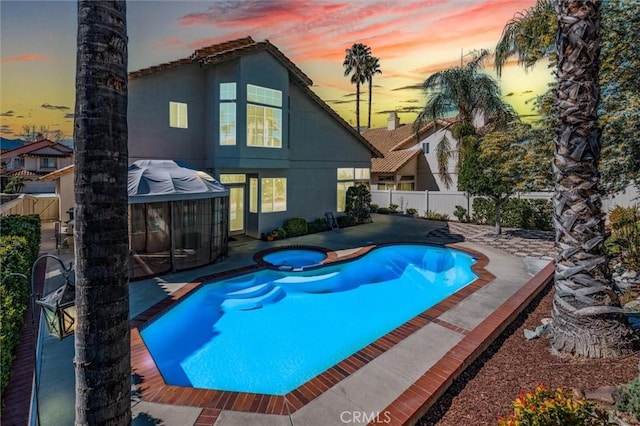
[58, 306]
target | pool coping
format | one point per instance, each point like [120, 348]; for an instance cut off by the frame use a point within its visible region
[407, 407]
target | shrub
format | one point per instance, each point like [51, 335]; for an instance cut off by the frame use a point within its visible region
[357, 204]
[345, 221]
[384, 210]
[545, 407]
[461, 214]
[276, 234]
[431, 215]
[295, 227]
[625, 235]
[14, 296]
[412, 211]
[393, 207]
[318, 225]
[374, 207]
[516, 213]
[24, 226]
[483, 211]
[630, 399]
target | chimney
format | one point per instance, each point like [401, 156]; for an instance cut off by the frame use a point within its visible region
[393, 122]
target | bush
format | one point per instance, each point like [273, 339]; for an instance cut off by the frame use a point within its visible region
[625, 235]
[412, 211]
[357, 204]
[384, 210]
[545, 407]
[14, 297]
[320, 224]
[374, 207]
[24, 226]
[345, 221]
[630, 399]
[431, 215]
[276, 234]
[516, 213]
[461, 214]
[393, 207]
[295, 227]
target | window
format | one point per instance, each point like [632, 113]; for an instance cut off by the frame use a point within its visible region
[178, 115]
[274, 195]
[48, 163]
[347, 177]
[425, 147]
[233, 178]
[227, 113]
[18, 163]
[406, 183]
[264, 123]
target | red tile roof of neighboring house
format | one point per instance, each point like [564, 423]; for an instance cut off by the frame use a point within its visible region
[398, 145]
[43, 145]
[21, 172]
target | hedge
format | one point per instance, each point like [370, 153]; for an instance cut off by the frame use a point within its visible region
[19, 248]
[295, 227]
[516, 213]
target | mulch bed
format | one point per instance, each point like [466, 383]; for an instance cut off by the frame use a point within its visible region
[512, 364]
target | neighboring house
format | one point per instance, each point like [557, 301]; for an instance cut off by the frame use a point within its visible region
[36, 158]
[244, 112]
[410, 160]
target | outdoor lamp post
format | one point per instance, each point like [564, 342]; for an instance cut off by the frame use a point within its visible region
[58, 307]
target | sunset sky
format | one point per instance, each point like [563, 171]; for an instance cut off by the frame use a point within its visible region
[413, 39]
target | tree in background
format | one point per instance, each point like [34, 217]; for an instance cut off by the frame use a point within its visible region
[587, 319]
[355, 63]
[500, 164]
[531, 36]
[102, 342]
[372, 68]
[473, 94]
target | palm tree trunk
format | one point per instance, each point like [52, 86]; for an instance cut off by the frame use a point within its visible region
[587, 318]
[358, 105]
[102, 343]
[370, 92]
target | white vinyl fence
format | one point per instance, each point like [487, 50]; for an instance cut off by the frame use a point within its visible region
[445, 202]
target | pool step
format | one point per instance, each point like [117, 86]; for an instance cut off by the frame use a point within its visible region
[237, 284]
[275, 294]
[310, 284]
[253, 291]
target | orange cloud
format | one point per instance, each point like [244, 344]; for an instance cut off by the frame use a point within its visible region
[25, 58]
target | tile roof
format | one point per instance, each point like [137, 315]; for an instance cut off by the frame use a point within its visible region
[21, 172]
[221, 52]
[398, 145]
[54, 148]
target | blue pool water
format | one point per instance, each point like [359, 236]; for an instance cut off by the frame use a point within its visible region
[295, 258]
[271, 331]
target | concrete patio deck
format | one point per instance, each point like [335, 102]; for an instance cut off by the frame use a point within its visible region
[392, 385]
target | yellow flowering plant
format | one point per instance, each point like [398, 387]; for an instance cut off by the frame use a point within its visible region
[547, 407]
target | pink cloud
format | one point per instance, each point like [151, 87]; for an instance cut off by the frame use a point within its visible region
[25, 58]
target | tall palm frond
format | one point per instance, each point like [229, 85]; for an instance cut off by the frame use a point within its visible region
[444, 154]
[530, 35]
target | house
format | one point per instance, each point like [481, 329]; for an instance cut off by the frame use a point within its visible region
[410, 161]
[244, 112]
[36, 158]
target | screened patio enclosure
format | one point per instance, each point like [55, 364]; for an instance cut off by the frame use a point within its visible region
[178, 218]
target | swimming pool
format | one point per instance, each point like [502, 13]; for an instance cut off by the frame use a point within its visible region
[293, 258]
[271, 331]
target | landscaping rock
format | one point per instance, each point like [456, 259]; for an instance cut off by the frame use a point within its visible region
[605, 394]
[633, 306]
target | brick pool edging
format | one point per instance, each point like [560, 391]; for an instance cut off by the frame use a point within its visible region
[152, 388]
[415, 401]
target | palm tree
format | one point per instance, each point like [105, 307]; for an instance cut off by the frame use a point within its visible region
[372, 68]
[355, 61]
[102, 342]
[530, 35]
[587, 319]
[465, 89]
